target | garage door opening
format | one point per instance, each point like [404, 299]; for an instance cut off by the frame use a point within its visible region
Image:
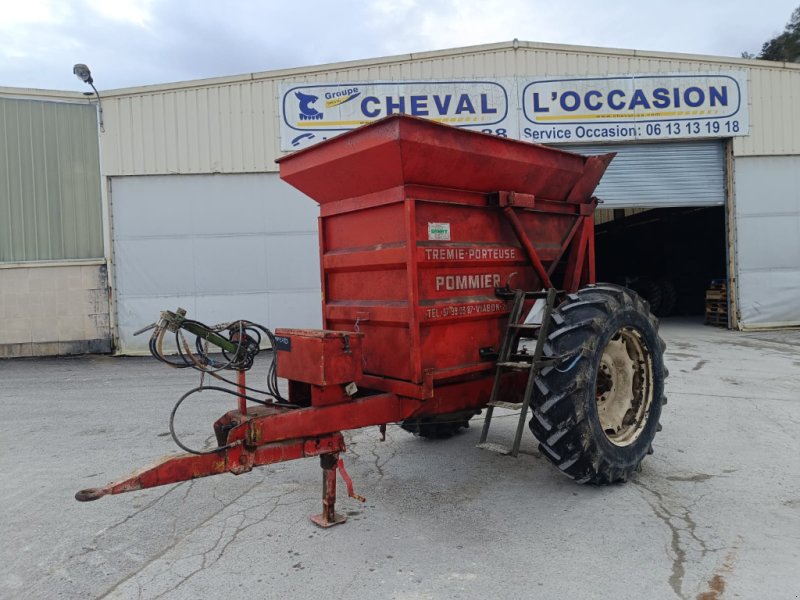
[660, 228]
[669, 255]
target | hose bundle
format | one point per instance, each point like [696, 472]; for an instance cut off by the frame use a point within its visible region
[244, 337]
[239, 343]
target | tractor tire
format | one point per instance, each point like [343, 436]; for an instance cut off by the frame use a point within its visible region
[439, 426]
[669, 299]
[651, 292]
[596, 412]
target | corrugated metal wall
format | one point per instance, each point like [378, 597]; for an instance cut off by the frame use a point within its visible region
[231, 126]
[774, 113]
[216, 129]
[49, 181]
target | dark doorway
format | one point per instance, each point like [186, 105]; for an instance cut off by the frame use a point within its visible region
[669, 255]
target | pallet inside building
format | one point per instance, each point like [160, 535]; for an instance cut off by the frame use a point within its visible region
[717, 304]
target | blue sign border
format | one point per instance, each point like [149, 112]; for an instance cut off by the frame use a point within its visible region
[633, 78]
[396, 84]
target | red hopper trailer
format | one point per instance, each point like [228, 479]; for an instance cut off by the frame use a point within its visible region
[435, 244]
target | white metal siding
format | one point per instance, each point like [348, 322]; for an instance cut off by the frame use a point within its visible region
[768, 239]
[218, 129]
[660, 175]
[231, 126]
[774, 113]
[224, 247]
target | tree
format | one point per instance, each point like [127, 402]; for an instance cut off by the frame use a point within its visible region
[785, 46]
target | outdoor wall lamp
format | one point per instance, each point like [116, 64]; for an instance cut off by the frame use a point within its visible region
[83, 73]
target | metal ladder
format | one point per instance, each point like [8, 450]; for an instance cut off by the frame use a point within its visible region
[531, 363]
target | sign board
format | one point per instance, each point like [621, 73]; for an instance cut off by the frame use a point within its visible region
[544, 110]
[311, 113]
[634, 107]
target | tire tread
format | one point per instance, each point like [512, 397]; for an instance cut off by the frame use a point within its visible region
[559, 414]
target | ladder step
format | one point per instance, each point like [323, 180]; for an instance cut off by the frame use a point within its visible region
[515, 365]
[508, 405]
[499, 448]
[520, 360]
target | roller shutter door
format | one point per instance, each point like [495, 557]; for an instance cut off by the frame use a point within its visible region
[768, 239]
[224, 247]
[661, 174]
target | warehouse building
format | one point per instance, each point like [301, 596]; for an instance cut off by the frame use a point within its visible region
[172, 197]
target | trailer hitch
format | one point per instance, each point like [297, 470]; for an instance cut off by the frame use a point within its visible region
[273, 431]
[237, 458]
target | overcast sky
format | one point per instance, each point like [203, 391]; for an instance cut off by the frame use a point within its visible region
[139, 42]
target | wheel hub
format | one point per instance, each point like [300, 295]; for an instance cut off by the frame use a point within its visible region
[624, 387]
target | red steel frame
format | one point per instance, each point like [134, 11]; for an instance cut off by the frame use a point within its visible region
[417, 308]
